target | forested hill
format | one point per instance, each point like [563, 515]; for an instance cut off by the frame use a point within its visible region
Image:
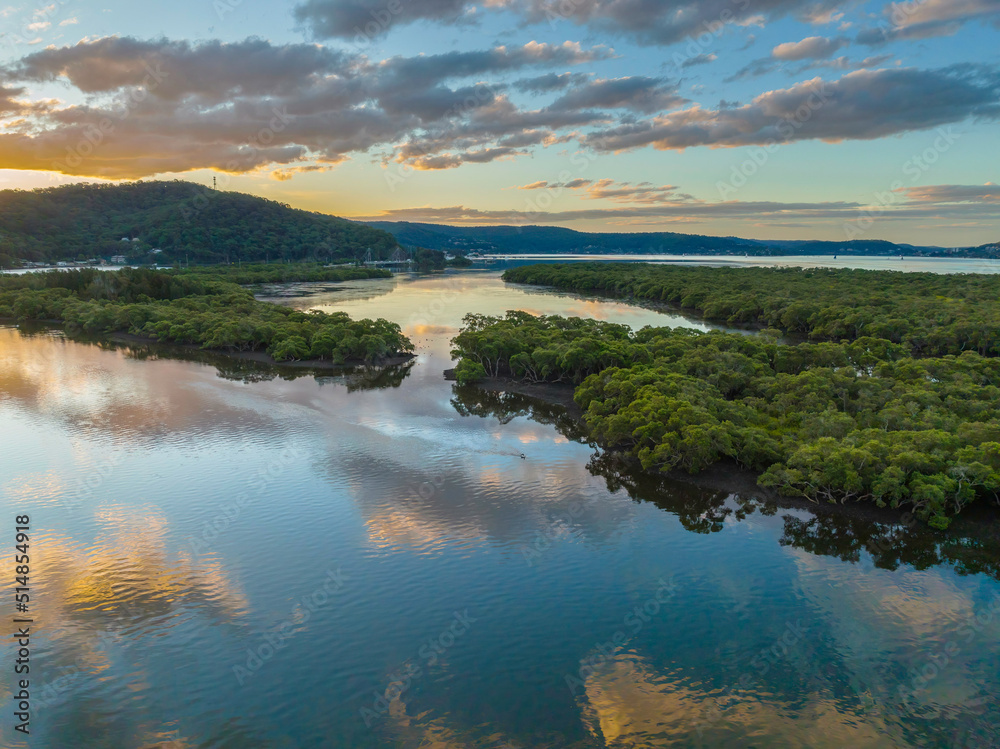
[991, 251]
[181, 219]
[555, 240]
[530, 239]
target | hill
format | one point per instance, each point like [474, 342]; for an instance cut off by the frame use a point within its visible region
[543, 239]
[850, 247]
[552, 239]
[182, 220]
[989, 251]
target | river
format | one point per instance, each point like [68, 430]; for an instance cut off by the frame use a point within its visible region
[223, 557]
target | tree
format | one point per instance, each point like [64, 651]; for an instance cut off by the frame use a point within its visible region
[468, 372]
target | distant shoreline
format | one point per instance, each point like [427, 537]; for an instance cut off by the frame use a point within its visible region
[726, 258]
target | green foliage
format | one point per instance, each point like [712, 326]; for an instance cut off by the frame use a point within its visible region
[282, 273]
[468, 372]
[428, 260]
[929, 314]
[858, 420]
[200, 308]
[545, 349]
[555, 239]
[182, 219]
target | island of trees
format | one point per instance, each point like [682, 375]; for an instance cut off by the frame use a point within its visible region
[891, 394]
[930, 313]
[259, 273]
[701, 508]
[203, 308]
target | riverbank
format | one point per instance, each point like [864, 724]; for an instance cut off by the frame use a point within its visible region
[260, 357]
[257, 357]
[932, 315]
[196, 309]
[709, 401]
[979, 522]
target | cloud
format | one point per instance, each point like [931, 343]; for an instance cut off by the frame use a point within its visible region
[702, 59]
[768, 65]
[687, 211]
[927, 19]
[500, 123]
[670, 21]
[572, 184]
[845, 63]
[941, 11]
[411, 85]
[211, 69]
[8, 104]
[755, 69]
[161, 105]
[283, 175]
[636, 93]
[423, 70]
[156, 106]
[988, 193]
[438, 102]
[938, 203]
[452, 160]
[549, 82]
[652, 22]
[645, 21]
[618, 192]
[820, 15]
[348, 19]
[811, 48]
[862, 105]
[641, 193]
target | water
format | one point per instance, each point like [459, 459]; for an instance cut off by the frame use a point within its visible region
[229, 558]
[894, 262]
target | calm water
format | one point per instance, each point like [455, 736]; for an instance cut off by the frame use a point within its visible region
[224, 558]
[908, 265]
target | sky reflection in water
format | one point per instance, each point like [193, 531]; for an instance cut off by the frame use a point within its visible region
[181, 517]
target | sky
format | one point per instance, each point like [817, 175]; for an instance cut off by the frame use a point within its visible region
[767, 119]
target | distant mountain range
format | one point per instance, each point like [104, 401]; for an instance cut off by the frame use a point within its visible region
[177, 221]
[556, 240]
